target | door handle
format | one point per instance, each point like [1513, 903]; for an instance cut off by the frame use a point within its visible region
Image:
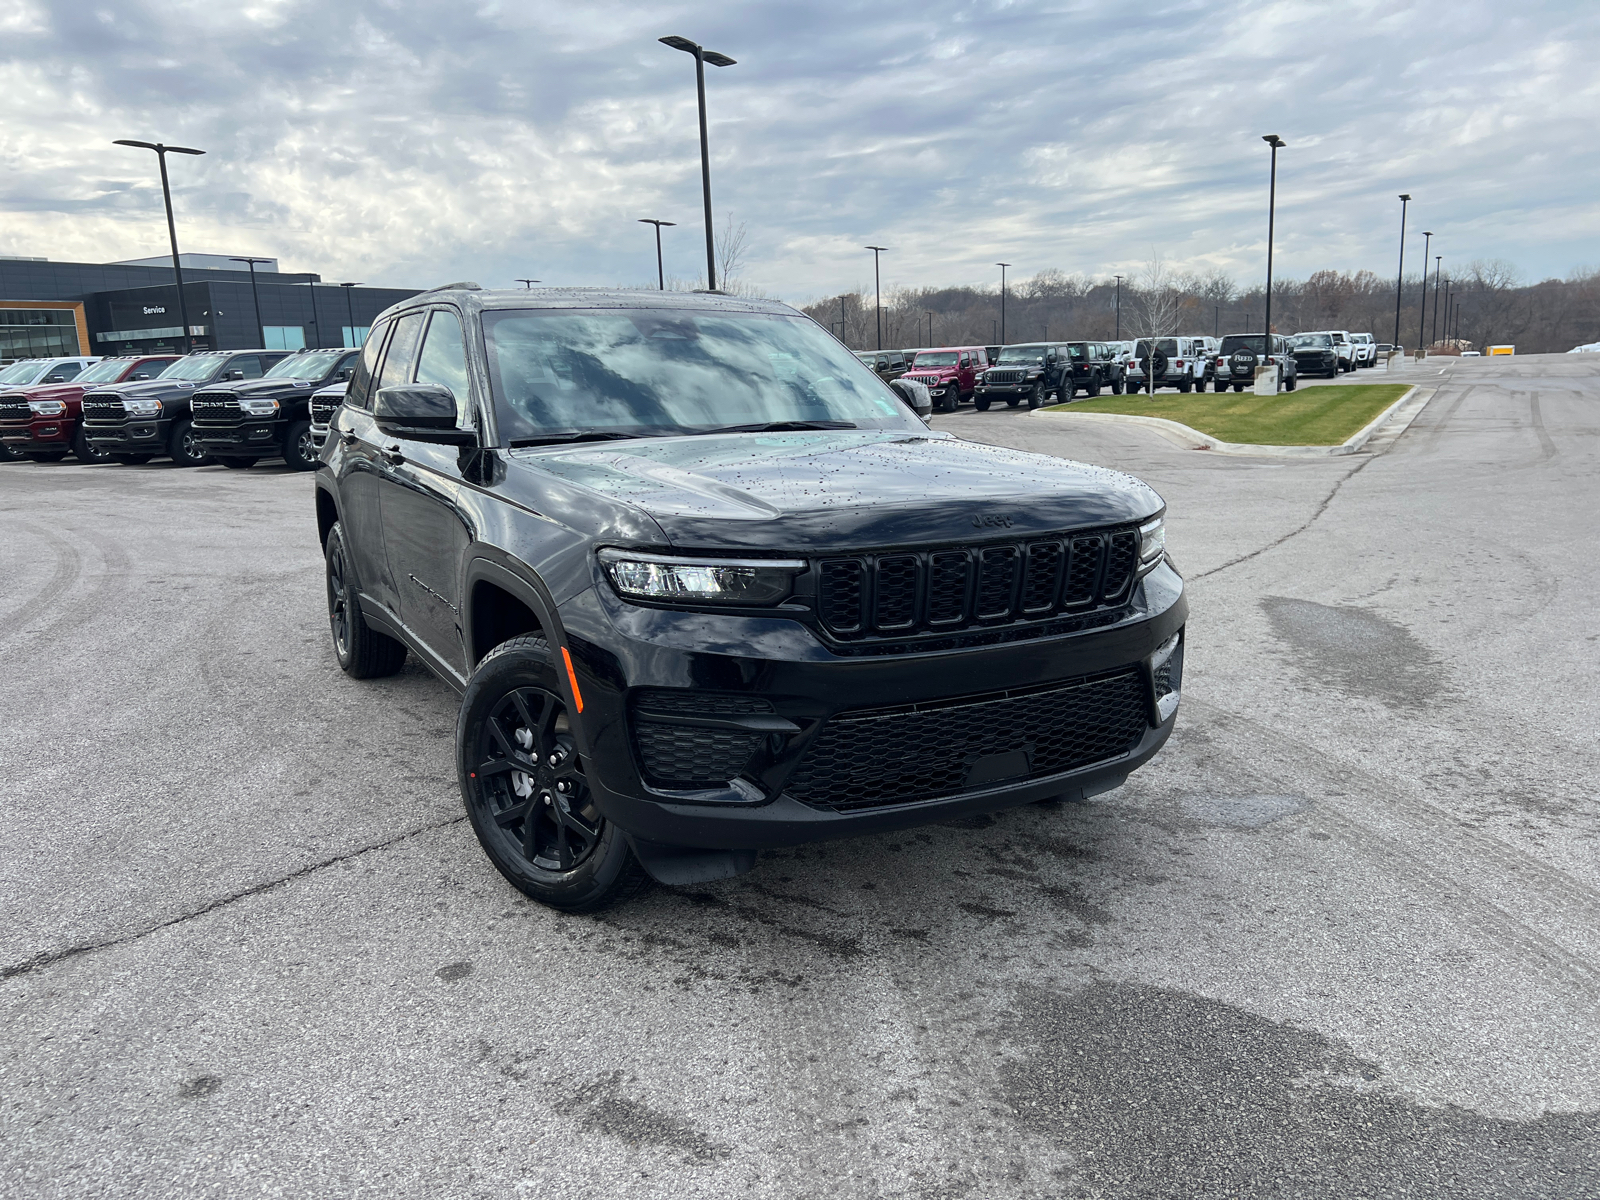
[392, 455]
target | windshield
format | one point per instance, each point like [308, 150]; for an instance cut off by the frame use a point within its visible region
[673, 371]
[1319, 341]
[305, 366]
[195, 367]
[1241, 341]
[22, 372]
[1167, 346]
[107, 370]
[1013, 356]
[937, 358]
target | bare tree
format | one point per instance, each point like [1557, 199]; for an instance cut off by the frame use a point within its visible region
[731, 250]
[1157, 305]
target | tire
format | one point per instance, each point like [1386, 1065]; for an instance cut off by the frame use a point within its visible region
[949, 403]
[523, 784]
[84, 449]
[50, 456]
[1220, 384]
[7, 454]
[1013, 401]
[299, 451]
[132, 460]
[1069, 390]
[981, 403]
[1186, 384]
[362, 651]
[1116, 387]
[182, 447]
[1291, 382]
[235, 463]
[1036, 397]
[1093, 389]
[1238, 387]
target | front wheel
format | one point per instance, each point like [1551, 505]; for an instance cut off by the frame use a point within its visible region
[1186, 384]
[526, 789]
[87, 451]
[1289, 384]
[183, 447]
[981, 403]
[1036, 396]
[362, 651]
[299, 451]
[1093, 389]
[1116, 387]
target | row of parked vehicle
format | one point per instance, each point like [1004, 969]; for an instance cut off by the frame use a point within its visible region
[234, 407]
[1038, 373]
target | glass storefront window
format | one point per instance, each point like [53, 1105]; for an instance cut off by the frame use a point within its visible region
[37, 333]
[284, 337]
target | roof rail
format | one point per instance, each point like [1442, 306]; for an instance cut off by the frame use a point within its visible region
[465, 285]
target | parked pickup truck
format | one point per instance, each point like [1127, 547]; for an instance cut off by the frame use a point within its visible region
[133, 422]
[30, 372]
[950, 373]
[45, 422]
[240, 424]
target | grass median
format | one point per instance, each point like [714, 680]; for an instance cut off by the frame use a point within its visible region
[1314, 416]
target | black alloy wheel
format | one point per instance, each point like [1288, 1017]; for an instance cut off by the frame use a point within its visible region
[1117, 386]
[1069, 390]
[1093, 389]
[1036, 395]
[1290, 382]
[132, 460]
[526, 790]
[183, 447]
[1186, 384]
[362, 651]
[951, 400]
[51, 456]
[299, 448]
[981, 403]
[9, 454]
[87, 451]
[235, 462]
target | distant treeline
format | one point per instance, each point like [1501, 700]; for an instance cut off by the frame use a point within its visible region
[1494, 308]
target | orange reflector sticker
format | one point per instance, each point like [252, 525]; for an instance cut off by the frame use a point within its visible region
[572, 678]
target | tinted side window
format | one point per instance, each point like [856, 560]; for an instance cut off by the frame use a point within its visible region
[444, 360]
[356, 394]
[66, 370]
[250, 364]
[402, 350]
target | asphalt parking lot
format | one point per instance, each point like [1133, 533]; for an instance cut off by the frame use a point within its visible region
[1341, 938]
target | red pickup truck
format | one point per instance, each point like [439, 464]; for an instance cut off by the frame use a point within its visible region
[45, 422]
[950, 373]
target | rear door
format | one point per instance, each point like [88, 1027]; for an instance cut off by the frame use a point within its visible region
[424, 519]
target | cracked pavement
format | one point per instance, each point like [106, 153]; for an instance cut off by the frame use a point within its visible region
[1341, 937]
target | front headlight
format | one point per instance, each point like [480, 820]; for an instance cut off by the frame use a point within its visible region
[47, 408]
[1152, 541]
[258, 406]
[142, 408]
[706, 581]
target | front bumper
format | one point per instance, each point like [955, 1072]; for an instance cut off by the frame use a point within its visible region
[259, 438]
[136, 435]
[622, 653]
[39, 435]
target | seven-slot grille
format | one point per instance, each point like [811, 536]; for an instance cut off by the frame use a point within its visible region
[322, 409]
[909, 592]
[215, 408]
[1005, 375]
[104, 407]
[872, 759]
[14, 410]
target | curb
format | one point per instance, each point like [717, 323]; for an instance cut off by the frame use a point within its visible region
[1193, 439]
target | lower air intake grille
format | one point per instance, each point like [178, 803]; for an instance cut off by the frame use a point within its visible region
[690, 756]
[872, 759]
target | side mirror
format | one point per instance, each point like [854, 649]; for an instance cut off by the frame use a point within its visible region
[344, 376]
[55, 378]
[137, 378]
[421, 411]
[232, 376]
[915, 397]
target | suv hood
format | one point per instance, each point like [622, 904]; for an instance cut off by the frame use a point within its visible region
[160, 389]
[46, 391]
[275, 388]
[833, 490]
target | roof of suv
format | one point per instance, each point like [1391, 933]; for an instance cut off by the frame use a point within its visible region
[477, 299]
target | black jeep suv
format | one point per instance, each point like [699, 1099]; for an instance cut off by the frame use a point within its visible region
[706, 586]
[135, 422]
[1092, 366]
[1031, 371]
[241, 424]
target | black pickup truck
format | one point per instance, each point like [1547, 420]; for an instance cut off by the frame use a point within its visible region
[135, 422]
[241, 424]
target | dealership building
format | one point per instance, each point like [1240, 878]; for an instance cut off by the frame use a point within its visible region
[55, 309]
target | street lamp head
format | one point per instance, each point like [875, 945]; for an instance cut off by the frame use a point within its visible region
[875, 248]
[714, 57]
[717, 58]
[1427, 233]
[246, 259]
[157, 147]
[1405, 195]
[349, 285]
[1273, 140]
[679, 43]
[656, 223]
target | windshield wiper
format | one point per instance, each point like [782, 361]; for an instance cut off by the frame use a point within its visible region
[778, 427]
[575, 435]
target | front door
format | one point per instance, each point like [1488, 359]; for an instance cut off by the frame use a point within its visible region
[360, 466]
[424, 516]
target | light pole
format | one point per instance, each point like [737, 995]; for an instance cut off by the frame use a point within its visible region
[1277, 143]
[702, 56]
[1119, 307]
[1216, 320]
[350, 308]
[1439, 266]
[877, 282]
[316, 326]
[1002, 267]
[661, 274]
[842, 327]
[1405, 199]
[172, 230]
[261, 330]
[1422, 317]
[931, 342]
[527, 284]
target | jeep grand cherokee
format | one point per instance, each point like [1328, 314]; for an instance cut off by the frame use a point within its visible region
[706, 586]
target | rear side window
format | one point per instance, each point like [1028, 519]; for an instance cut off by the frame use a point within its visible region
[402, 349]
[356, 394]
[250, 364]
[444, 360]
[68, 370]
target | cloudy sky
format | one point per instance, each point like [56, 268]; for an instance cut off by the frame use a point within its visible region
[412, 142]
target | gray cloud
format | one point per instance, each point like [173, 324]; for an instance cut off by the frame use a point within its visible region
[410, 143]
